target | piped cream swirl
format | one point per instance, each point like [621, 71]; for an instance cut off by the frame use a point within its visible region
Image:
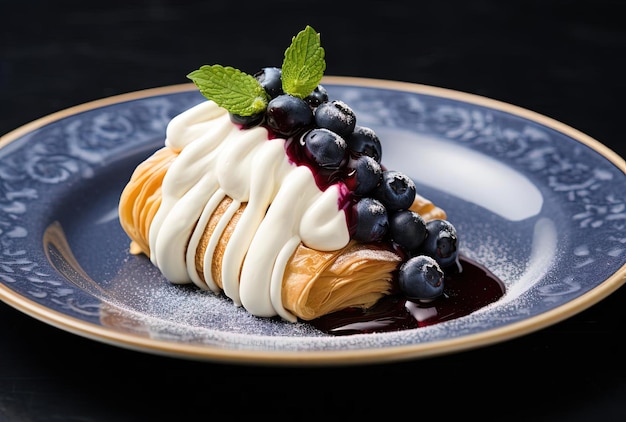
[217, 159]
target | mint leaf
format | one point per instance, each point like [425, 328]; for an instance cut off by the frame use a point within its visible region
[304, 64]
[236, 91]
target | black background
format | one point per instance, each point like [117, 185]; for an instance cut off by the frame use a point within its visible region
[558, 58]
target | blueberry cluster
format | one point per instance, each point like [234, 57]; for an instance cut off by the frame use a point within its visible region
[330, 141]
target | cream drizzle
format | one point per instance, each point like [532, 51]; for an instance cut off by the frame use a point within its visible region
[284, 207]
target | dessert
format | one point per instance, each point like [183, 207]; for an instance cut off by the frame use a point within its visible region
[271, 194]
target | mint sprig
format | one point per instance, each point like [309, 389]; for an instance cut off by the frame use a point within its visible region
[304, 64]
[240, 93]
[236, 91]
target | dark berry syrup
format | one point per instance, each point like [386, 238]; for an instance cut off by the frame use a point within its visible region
[465, 292]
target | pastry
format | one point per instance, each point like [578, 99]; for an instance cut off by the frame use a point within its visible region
[271, 194]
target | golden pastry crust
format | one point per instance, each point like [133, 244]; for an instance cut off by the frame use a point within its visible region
[141, 198]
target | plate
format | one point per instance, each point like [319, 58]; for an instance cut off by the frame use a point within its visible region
[537, 202]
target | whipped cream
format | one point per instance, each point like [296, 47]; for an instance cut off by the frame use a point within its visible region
[218, 159]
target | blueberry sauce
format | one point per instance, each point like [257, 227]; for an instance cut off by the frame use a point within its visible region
[465, 292]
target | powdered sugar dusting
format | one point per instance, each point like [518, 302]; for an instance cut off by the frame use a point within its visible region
[140, 301]
[341, 111]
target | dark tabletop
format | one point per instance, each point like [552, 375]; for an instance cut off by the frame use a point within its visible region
[561, 59]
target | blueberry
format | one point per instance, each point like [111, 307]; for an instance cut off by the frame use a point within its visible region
[421, 279]
[364, 141]
[287, 114]
[363, 175]
[408, 229]
[441, 242]
[325, 147]
[270, 79]
[370, 217]
[317, 97]
[336, 116]
[396, 190]
[247, 122]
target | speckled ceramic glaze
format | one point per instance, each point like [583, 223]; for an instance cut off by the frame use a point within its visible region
[540, 204]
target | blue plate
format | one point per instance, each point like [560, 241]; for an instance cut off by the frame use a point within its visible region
[537, 202]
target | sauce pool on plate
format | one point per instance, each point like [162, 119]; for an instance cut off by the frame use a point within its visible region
[465, 291]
